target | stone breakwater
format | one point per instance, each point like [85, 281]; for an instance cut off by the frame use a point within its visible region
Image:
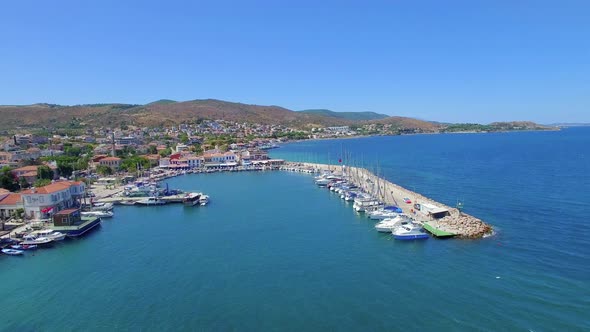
[460, 223]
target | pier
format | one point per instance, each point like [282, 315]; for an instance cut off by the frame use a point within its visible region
[437, 218]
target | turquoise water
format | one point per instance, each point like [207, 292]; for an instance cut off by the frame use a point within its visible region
[274, 252]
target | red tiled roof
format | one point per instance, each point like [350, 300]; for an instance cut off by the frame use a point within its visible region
[51, 188]
[110, 159]
[11, 199]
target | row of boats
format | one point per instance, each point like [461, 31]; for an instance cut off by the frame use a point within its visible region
[31, 241]
[391, 218]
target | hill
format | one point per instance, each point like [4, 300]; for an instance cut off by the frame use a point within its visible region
[355, 116]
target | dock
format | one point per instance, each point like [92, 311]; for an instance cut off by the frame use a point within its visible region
[441, 219]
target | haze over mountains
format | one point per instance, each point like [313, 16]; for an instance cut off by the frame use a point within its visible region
[169, 112]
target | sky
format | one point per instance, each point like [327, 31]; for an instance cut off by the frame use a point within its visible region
[450, 61]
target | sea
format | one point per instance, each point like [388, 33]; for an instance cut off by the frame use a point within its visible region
[273, 252]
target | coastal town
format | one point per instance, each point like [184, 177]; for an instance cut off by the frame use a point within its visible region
[59, 182]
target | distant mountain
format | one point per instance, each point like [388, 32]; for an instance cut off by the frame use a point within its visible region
[355, 116]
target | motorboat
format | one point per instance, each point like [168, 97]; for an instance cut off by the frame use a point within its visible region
[24, 246]
[99, 214]
[151, 201]
[39, 241]
[102, 206]
[391, 224]
[12, 252]
[366, 204]
[203, 200]
[410, 232]
[127, 202]
[49, 233]
[385, 212]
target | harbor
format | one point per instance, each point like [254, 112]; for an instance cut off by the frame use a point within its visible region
[437, 218]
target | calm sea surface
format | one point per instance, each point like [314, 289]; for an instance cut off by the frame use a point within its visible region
[274, 252]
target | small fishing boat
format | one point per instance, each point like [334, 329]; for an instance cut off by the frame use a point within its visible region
[12, 252]
[24, 246]
[203, 200]
[410, 232]
[99, 214]
[128, 202]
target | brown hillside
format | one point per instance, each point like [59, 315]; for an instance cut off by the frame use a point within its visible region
[409, 123]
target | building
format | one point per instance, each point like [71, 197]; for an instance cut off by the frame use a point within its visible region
[181, 147]
[112, 162]
[9, 204]
[195, 162]
[30, 172]
[41, 203]
[127, 140]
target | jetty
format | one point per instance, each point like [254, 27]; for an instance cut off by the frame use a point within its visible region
[437, 218]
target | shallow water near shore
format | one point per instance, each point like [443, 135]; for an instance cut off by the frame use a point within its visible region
[274, 252]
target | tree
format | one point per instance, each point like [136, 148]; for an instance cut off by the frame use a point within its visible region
[131, 164]
[8, 180]
[41, 183]
[44, 172]
[104, 170]
[23, 183]
[65, 170]
[166, 152]
[152, 149]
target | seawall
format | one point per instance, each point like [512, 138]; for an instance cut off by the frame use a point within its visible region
[457, 222]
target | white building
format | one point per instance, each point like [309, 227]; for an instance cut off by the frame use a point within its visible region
[40, 203]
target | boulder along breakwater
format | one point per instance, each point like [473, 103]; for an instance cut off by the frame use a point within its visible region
[438, 216]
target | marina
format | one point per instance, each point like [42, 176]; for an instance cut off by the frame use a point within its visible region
[371, 194]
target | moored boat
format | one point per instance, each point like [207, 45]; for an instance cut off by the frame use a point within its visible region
[39, 241]
[50, 234]
[203, 200]
[152, 200]
[391, 224]
[410, 232]
[12, 252]
[98, 214]
[24, 246]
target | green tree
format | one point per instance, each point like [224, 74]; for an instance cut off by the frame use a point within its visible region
[41, 183]
[23, 183]
[104, 170]
[64, 169]
[166, 152]
[152, 149]
[44, 172]
[131, 164]
[8, 180]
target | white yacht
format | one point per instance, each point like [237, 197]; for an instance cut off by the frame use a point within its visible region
[32, 239]
[381, 214]
[48, 233]
[203, 200]
[392, 224]
[151, 201]
[364, 204]
[102, 206]
[191, 199]
[100, 214]
[409, 232]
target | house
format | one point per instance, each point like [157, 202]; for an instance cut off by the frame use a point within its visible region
[195, 162]
[30, 173]
[40, 203]
[9, 204]
[112, 162]
[181, 147]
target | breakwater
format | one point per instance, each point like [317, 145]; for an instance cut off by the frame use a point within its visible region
[456, 222]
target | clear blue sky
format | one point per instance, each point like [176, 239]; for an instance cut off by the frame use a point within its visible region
[458, 61]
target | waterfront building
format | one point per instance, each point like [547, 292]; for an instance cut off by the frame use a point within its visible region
[30, 172]
[9, 204]
[40, 203]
